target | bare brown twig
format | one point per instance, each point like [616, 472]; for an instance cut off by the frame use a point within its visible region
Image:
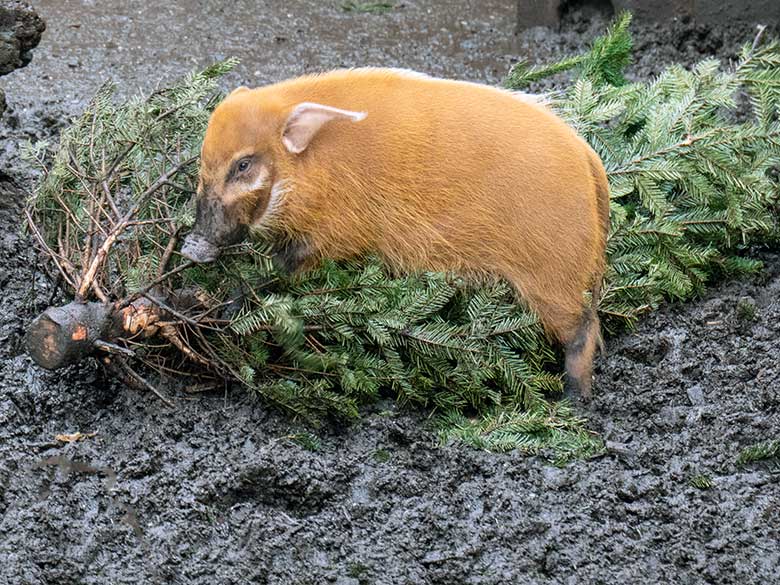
[170, 333]
[136, 295]
[89, 276]
[56, 258]
[166, 257]
[142, 381]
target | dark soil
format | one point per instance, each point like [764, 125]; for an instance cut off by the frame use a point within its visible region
[219, 490]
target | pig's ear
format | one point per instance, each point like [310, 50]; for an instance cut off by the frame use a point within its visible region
[305, 121]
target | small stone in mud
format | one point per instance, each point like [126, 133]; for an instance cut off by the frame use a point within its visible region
[555, 478]
[651, 355]
[671, 417]
[696, 395]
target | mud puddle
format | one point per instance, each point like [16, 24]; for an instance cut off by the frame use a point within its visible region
[221, 490]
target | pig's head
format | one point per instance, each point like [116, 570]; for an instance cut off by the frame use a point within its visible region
[247, 141]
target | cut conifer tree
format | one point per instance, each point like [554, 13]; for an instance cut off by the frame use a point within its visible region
[692, 157]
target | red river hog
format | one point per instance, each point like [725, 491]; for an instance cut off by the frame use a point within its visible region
[431, 174]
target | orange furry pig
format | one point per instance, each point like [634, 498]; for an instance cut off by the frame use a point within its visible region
[431, 174]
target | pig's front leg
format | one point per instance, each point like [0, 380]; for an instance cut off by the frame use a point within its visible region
[287, 257]
[291, 255]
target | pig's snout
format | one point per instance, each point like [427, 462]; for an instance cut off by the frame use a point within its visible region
[199, 249]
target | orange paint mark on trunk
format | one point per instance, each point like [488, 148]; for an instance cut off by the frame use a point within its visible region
[80, 334]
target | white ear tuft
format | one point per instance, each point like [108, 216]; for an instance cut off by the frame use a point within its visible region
[307, 119]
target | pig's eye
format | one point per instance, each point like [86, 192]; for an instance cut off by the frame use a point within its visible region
[243, 165]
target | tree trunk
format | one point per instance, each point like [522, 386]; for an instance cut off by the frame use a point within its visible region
[61, 336]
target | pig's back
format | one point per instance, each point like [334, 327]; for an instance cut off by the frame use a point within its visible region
[466, 131]
[450, 165]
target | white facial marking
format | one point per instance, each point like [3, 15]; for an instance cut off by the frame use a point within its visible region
[261, 181]
[279, 189]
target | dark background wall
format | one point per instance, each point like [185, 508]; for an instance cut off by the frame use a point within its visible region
[549, 12]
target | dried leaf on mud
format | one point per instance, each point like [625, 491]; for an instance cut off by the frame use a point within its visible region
[73, 437]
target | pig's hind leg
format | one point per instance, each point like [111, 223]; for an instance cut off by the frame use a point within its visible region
[575, 326]
[580, 351]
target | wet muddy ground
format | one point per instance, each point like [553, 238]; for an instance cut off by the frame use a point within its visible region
[219, 491]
